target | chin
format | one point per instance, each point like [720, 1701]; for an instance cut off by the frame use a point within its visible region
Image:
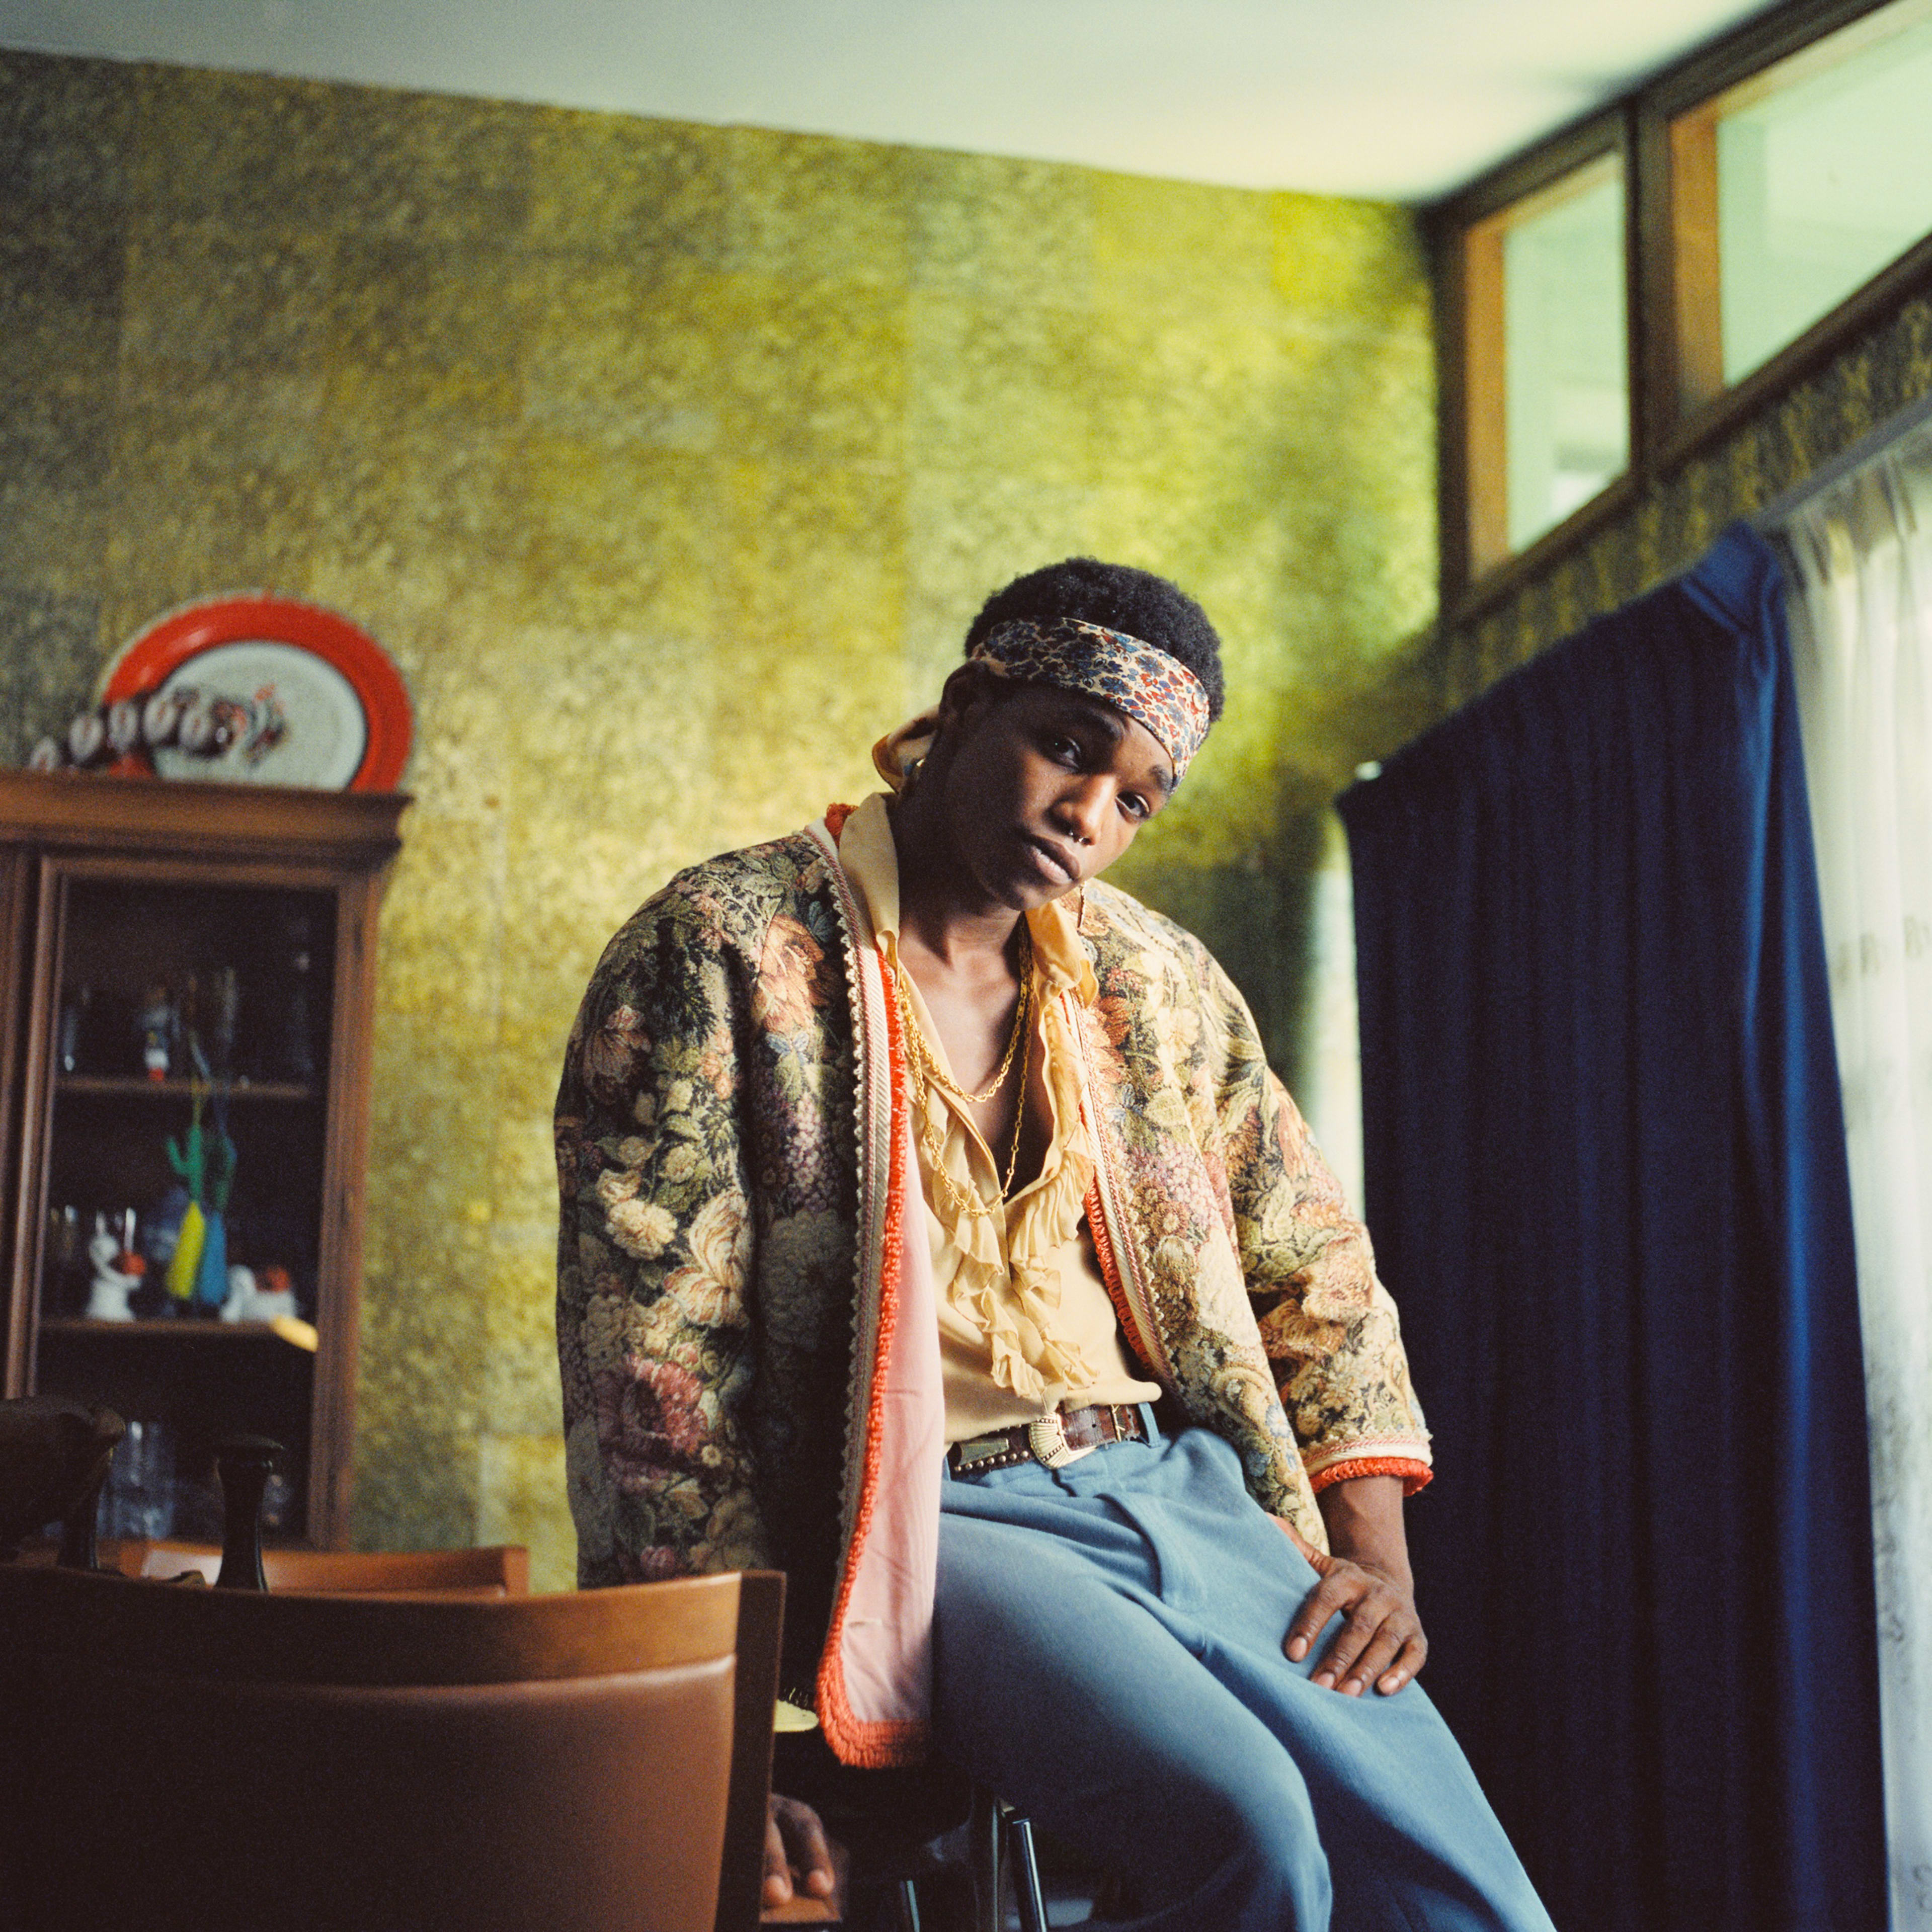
[1018, 890]
[1028, 890]
[1021, 895]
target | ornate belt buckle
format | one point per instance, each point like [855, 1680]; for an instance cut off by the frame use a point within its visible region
[1047, 1439]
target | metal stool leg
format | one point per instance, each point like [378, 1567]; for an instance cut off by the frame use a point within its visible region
[984, 1836]
[1026, 1874]
[908, 1906]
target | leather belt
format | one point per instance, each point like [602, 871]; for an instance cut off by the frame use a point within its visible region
[1053, 1441]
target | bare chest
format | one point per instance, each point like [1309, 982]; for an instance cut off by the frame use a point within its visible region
[989, 1040]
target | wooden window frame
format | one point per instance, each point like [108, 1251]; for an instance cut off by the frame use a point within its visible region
[1679, 403]
[1467, 252]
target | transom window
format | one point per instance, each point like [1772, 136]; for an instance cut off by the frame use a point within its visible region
[1549, 358]
[1629, 288]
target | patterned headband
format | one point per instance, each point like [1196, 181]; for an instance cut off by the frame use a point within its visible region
[1153, 688]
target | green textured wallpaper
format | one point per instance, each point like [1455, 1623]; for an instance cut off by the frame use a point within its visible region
[670, 463]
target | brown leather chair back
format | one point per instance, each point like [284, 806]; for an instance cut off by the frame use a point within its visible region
[235, 1762]
[760, 1625]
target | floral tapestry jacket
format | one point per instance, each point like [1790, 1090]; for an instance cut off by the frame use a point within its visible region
[734, 1161]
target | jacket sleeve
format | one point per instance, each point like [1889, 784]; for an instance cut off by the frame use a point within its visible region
[1328, 1324]
[654, 1256]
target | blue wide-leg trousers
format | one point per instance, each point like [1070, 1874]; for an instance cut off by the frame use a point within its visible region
[1108, 1657]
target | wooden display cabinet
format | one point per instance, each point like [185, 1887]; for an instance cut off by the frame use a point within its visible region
[254, 909]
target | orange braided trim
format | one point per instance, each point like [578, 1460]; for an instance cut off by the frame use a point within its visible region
[835, 816]
[874, 1746]
[1110, 1273]
[1414, 1475]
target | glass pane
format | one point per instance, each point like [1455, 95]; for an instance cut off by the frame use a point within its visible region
[183, 1005]
[1566, 375]
[1824, 176]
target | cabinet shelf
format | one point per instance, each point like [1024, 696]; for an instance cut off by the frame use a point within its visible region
[135, 1087]
[188, 1329]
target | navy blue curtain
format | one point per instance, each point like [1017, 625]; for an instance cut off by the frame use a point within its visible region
[1606, 1175]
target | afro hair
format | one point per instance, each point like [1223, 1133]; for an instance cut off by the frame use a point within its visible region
[1120, 597]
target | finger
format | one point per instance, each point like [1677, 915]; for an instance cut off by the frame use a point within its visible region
[1415, 1654]
[1309, 1554]
[1378, 1656]
[810, 1851]
[1357, 1630]
[778, 1869]
[1334, 1594]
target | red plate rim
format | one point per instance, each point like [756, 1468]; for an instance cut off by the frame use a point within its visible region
[154, 655]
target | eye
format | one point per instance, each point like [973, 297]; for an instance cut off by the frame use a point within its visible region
[1067, 750]
[1134, 805]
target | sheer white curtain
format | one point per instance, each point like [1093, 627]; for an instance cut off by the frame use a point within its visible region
[1860, 612]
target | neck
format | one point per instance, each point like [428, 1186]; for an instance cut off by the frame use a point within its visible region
[942, 908]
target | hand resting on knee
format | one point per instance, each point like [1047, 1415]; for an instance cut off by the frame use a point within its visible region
[1367, 1581]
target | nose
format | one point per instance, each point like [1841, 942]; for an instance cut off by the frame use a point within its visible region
[1080, 809]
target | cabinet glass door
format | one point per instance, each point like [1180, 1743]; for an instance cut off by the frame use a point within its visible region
[184, 1170]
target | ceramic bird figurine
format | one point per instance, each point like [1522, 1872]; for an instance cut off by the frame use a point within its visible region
[116, 1276]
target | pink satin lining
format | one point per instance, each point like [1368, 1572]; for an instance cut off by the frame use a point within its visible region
[886, 1645]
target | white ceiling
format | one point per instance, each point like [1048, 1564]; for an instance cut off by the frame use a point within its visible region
[1398, 98]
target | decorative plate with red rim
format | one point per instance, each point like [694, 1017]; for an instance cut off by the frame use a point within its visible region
[302, 696]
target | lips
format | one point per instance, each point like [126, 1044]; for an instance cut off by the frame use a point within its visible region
[1052, 858]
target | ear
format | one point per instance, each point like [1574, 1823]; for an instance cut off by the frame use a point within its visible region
[967, 691]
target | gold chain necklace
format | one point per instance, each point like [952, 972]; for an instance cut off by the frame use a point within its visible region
[934, 1073]
[927, 1075]
[932, 1145]
[1019, 1121]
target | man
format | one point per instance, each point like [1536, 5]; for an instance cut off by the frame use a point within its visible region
[904, 1167]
